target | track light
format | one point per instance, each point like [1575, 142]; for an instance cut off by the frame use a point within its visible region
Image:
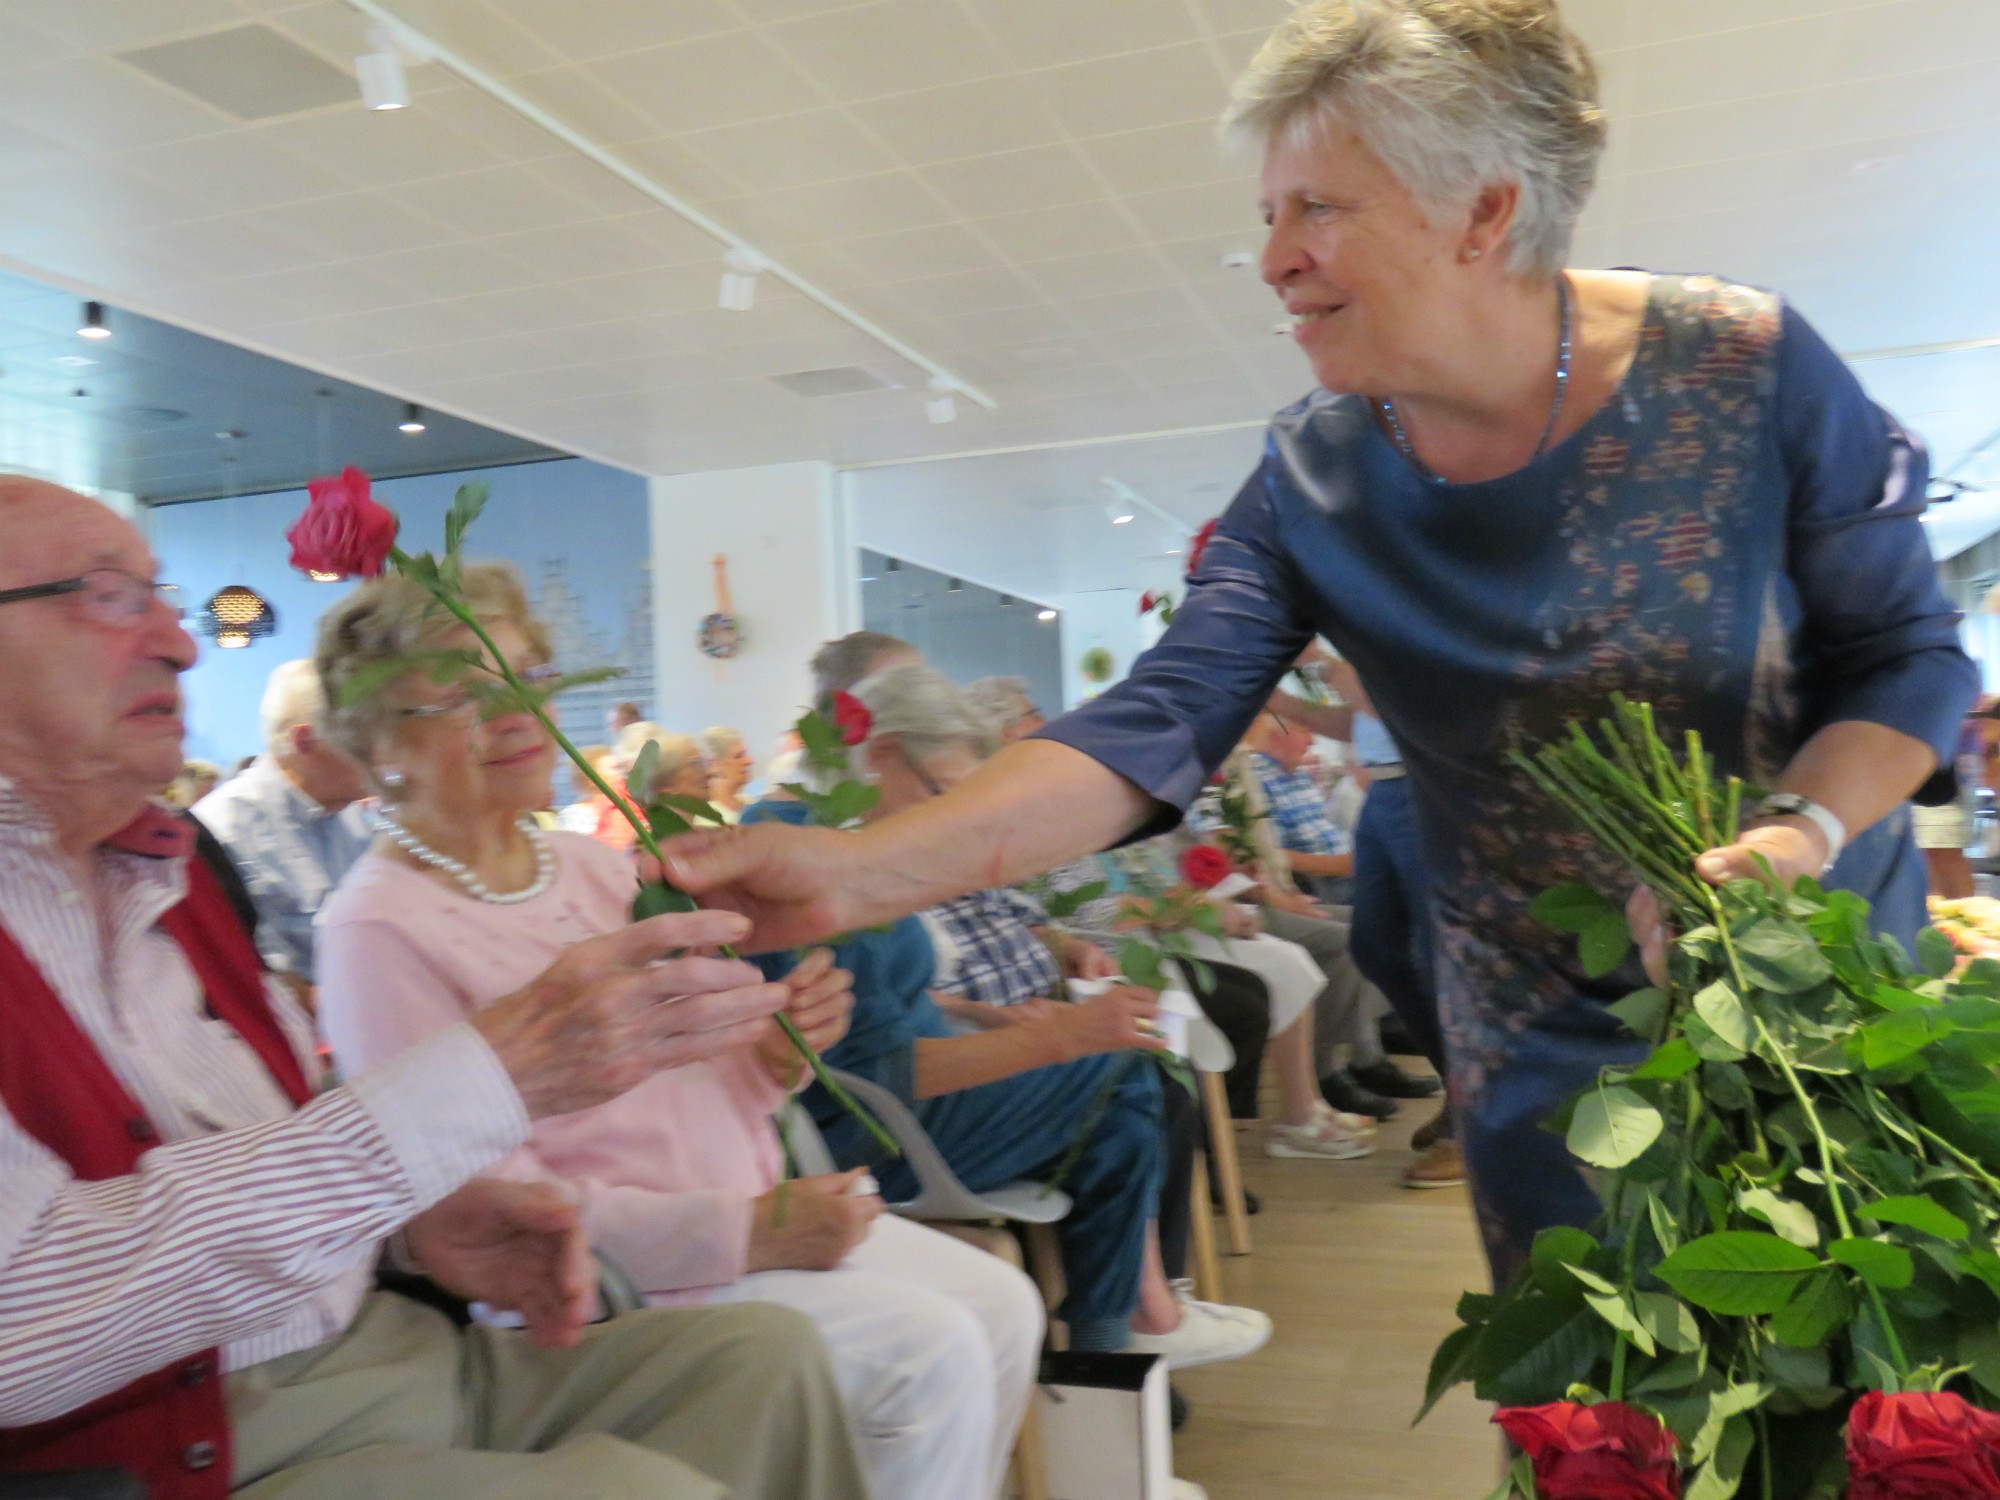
[413, 418]
[93, 322]
[940, 408]
[892, 565]
[383, 85]
[739, 281]
[953, 586]
[1046, 615]
[1006, 601]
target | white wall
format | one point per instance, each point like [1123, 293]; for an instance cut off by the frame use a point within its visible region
[1105, 617]
[792, 575]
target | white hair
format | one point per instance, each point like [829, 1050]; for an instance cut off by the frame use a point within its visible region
[1001, 699]
[718, 741]
[292, 697]
[925, 712]
[1453, 95]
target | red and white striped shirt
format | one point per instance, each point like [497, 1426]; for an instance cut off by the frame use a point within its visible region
[253, 1226]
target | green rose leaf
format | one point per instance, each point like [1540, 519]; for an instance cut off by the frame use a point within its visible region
[1707, 1045]
[656, 899]
[1779, 954]
[1643, 1012]
[1569, 908]
[1727, 1016]
[1920, 1213]
[1792, 1221]
[1616, 1311]
[1820, 1305]
[1722, 1475]
[1665, 1230]
[1604, 944]
[1670, 1321]
[1900, 1035]
[1876, 1262]
[1675, 1059]
[1612, 1127]
[1555, 1251]
[1738, 1273]
[1451, 1364]
[1935, 954]
[645, 765]
[1979, 1350]
[1535, 1349]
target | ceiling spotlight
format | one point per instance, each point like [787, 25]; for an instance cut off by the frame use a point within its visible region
[74, 361]
[383, 85]
[953, 586]
[940, 408]
[236, 616]
[1173, 552]
[1239, 260]
[413, 418]
[739, 281]
[1046, 615]
[318, 577]
[93, 322]
[1119, 513]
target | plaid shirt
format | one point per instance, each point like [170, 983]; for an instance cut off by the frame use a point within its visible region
[986, 951]
[1298, 809]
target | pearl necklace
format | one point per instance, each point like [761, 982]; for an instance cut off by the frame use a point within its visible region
[1564, 352]
[479, 890]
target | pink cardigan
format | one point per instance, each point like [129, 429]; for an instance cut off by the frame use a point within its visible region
[666, 1173]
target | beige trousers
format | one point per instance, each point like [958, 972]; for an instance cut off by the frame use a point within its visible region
[666, 1404]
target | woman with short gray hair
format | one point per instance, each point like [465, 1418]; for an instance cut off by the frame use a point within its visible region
[1520, 490]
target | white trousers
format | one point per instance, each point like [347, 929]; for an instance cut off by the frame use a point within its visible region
[935, 1345]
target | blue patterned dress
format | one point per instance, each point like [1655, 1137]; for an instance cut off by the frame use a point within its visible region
[1733, 537]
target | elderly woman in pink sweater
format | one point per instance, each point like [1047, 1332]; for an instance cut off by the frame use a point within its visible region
[464, 898]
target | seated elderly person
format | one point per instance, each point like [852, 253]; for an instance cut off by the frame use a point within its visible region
[1005, 701]
[292, 822]
[839, 664]
[1010, 1101]
[1316, 848]
[934, 1343]
[188, 1235]
[729, 769]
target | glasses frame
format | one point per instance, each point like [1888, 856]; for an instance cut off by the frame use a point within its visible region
[540, 672]
[132, 585]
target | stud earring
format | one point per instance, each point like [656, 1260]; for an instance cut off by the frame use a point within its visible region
[1474, 254]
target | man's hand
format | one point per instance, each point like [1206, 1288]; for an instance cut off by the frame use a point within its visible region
[1122, 1017]
[518, 1246]
[821, 1003]
[797, 885]
[824, 1219]
[615, 1010]
[1791, 846]
[1083, 959]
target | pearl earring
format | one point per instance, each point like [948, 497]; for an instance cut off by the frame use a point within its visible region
[1474, 254]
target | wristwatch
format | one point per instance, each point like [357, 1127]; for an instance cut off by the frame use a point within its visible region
[1792, 805]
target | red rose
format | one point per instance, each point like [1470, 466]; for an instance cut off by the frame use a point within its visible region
[1917, 1445]
[852, 717]
[344, 530]
[1205, 868]
[1200, 545]
[1605, 1452]
[1148, 602]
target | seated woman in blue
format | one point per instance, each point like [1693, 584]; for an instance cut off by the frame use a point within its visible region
[1009, 1102]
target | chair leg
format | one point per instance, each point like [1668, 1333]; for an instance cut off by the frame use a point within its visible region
[1030, 1470]
[1223, 1159]
[1207, 1264]
[1045, 1265]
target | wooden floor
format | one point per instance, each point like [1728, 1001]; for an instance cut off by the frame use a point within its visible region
[1360, 1276]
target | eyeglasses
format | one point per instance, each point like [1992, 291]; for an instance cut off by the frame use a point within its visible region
[108, 596]
[466, 703]
[924, 778]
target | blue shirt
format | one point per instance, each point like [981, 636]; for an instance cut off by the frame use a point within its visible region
[291, 852]
[1298, 809]
[1372, 745]
[1734, 537]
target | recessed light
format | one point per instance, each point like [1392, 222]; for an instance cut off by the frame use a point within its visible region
[1046, 615]
[1239, 260]
[74, 361]
[1282, 330]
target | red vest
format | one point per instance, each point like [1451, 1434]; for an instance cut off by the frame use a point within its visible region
[170, 1427]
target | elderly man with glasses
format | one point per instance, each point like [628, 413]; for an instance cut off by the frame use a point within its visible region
[188, 1236]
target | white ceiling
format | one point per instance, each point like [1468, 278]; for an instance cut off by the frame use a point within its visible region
[1027, 191]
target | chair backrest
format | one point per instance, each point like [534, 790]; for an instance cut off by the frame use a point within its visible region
[803, 1143]
[940, 1195]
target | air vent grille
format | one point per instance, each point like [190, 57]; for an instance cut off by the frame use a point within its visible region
[841, 380]
[250, 72]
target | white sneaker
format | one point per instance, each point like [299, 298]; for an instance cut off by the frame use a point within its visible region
[1330, 1136]
[1210, 1333]
[1187, 1489]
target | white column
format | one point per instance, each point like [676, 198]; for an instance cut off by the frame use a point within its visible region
[793, 577]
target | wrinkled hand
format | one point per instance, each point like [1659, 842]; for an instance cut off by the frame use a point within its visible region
[796, 885]
[518, 1246]
[1238, 920]
[1083, 959]
[821, 1004]
[823, 1221]
[1792, 846]
[1123, 1017]
[1298, 903]
[1027, 1013]
[615, 1010]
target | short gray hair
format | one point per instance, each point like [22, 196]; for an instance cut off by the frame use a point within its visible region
[925, 712]
[1000, 699]
[838, 665]
[718, 740]
[1453, 95]
[292, 696]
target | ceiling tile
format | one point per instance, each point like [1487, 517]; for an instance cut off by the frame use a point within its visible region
[1210, 208]
[118, 25]
[816, 146]
[1132, 91]
[106, 198]
[1013, 181]
[482, 32]
[1755, 62]
[678, 241]
[586, 104]
[99, 106]
[658, 291]
[1235, 50]
[230, 173]
[680, 171]
[446, 270]
[372, 148]
[884, 203]
[1099, 274]
[25, 150]
[1243, 15]
[1044, 33]
[23, 47]
[966, 119]
[717, 80]
[568, 252]
[495, 201]
[1053, 233]
[948, 296]
[595, 187]
[913, 253]
[352, 225]
[499, 129]
[1132, 309]
[1686, 137]
[1169, 156]
[884, 47]
[600, 28]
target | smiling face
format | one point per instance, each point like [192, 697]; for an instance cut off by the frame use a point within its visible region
[456, 767]
[1364, 271]
[86, 707]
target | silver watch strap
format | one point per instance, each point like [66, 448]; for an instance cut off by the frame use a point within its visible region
[1792, 805]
